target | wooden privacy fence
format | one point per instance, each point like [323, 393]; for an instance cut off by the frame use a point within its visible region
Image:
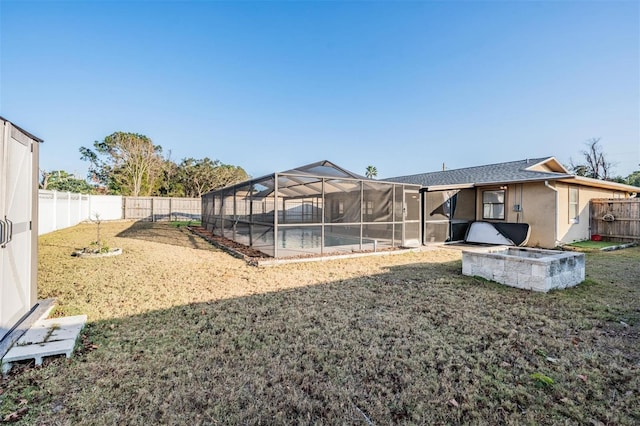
[616, 218]
[161, 208]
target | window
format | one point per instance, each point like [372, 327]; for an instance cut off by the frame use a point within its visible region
[493, 204]
[368, 208]
[574, 212]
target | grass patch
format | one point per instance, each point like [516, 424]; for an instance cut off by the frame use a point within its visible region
[180, 332]
[593, 245]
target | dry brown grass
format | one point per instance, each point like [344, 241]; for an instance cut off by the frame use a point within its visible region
[182, 333]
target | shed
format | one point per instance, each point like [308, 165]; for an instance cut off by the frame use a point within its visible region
[18, 225]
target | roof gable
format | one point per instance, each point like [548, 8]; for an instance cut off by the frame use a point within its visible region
[323, 168]
[549, 165]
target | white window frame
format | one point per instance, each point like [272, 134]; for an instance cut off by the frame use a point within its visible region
[574, 206]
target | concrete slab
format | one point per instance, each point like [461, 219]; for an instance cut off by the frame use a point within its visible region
[47, 337]
[40, 310]
[53, 329]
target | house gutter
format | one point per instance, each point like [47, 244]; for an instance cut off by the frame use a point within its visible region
[555, 222]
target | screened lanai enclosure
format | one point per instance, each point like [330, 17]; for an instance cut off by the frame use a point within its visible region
[319, 208]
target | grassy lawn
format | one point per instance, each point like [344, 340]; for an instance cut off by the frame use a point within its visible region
[594, 245]
[181, 333]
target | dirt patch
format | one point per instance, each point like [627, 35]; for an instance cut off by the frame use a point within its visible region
[239, 250]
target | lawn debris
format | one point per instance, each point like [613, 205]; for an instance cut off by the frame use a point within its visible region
[16, 415]
[366, 418]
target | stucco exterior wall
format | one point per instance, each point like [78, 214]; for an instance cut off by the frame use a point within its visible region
[547, 211]
[569, 232]
[537, 208]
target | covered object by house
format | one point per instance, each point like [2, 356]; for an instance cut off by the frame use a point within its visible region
[18, 225]
[319, 208]
[540, 192]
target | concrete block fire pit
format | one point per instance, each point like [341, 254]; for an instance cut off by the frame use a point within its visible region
[526, 268]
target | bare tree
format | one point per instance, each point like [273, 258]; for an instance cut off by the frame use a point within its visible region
[595, 164]
[128, 163]
[44, 178]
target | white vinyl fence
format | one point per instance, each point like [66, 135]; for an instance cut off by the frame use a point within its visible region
[59, 210]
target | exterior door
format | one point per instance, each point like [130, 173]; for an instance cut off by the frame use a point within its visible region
[411, 222]
[15, 212]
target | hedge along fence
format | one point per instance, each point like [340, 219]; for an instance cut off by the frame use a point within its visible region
[59, 209]
[615, 219]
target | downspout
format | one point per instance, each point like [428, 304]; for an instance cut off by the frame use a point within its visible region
[423, 215]
[555, 222]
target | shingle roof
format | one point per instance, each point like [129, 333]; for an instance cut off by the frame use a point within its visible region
[513, 171]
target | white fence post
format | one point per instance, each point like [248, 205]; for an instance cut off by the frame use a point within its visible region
[55, 210]
[68, 208]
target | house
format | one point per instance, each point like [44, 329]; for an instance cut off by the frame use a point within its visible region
[317, 208]
[18, 226]
[540, 192]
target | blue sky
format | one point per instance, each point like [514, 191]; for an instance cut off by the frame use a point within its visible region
[403, 86]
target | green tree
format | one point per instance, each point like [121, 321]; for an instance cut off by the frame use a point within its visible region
[229, 175]
[170, 184]
[127, 163]
[371, 172]
[634, 178]
[618, 179]
[59, 180]
[198, 177]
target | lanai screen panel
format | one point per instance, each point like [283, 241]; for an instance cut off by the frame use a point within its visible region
[447, 214]
[315, 209]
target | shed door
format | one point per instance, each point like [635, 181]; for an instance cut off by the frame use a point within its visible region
[15, 210]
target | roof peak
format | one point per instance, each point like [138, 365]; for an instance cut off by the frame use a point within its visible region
[529, 161]
[323, 168]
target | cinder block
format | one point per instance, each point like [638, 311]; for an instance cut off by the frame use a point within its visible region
[539, 270]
